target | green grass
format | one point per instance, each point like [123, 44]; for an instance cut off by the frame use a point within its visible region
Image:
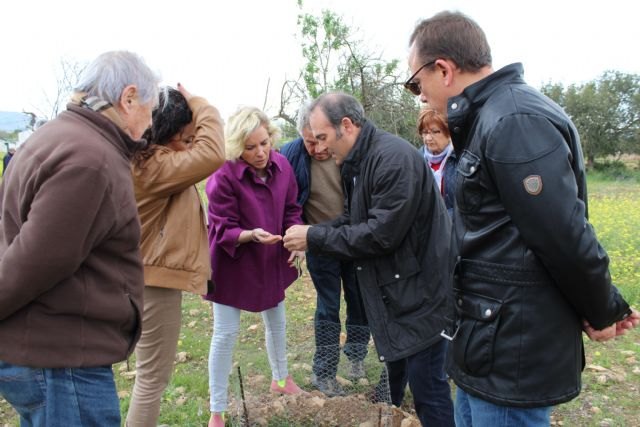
[614, 211]
[611, 386]
[612, 396]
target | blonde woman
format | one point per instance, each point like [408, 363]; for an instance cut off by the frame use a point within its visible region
[252, 201]
[186, 146]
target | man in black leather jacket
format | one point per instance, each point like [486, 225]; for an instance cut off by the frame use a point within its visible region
[397, 231]
[530, 273]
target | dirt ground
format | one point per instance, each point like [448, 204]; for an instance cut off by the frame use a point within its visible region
[315, 409]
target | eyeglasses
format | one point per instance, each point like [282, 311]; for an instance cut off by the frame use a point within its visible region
[432, 132]
[414, 87]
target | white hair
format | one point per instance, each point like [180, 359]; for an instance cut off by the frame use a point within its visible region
[303, 116]
[108, 75]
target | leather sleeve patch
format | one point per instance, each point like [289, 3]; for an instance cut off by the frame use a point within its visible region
[533, 184]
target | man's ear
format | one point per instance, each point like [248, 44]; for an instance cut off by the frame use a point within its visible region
[128, 98]
[347, 124]
[445, 69]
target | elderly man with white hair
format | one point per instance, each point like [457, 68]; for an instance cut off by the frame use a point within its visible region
[71, 277]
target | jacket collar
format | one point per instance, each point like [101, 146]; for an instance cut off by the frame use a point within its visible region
[462, 109]
[299, 144]
[358, 153]
[126, 145]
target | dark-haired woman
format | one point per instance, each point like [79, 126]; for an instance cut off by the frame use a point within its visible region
[186, 146]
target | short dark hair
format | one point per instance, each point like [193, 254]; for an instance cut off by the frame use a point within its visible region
[338, 105]
[454, 36]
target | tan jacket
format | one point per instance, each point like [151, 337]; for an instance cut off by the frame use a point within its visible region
[174, 232]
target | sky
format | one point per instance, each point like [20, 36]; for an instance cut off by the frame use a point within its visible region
[230, 51]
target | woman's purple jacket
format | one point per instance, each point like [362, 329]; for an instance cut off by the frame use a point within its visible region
[251, 276]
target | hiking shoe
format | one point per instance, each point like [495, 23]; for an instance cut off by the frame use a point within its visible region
[289, 386]
[356, 371]
[330, 387]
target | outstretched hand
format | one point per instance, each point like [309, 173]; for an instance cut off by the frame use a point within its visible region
[259, 235]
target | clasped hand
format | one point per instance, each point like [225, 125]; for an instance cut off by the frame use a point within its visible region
[612, 331]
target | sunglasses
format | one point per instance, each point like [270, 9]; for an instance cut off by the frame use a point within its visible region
[414, 87]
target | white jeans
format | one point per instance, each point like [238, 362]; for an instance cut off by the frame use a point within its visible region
[226, 323]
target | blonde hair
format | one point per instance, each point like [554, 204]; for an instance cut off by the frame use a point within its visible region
[240, 125]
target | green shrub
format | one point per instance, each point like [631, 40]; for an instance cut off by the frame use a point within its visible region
[614, 170]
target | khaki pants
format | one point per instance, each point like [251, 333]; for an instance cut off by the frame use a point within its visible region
[155, 354]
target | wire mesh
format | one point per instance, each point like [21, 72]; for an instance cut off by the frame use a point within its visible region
[344, 383]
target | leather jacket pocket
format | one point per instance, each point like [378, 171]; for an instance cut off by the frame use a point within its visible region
[401, 290]
[469, 195]
[479, 318]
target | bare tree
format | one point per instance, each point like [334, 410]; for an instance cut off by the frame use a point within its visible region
[67, 76]
[335, 59]
[292, 94]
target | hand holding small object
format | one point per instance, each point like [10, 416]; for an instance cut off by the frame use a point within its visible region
[258, 235]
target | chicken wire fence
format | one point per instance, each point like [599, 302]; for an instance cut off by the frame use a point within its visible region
[344, 382]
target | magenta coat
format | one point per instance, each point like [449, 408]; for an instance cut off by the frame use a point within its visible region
[251, 276]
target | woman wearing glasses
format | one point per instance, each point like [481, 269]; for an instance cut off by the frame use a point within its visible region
[186, 146]
[438, 153]
[252, 201]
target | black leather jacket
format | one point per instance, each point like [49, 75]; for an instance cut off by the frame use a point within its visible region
[530, 267]
[397, 230]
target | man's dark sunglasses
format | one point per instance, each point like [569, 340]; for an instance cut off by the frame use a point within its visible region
[414, 87]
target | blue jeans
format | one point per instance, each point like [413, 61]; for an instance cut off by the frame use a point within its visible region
[327, 275]
[397, 377]
[427, 382]
[71, 397]
[472, 411]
